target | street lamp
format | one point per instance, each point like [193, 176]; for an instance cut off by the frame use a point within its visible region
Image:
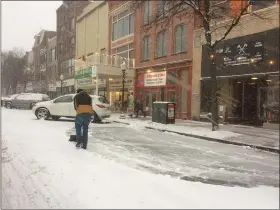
[123, 67]
[61, 82]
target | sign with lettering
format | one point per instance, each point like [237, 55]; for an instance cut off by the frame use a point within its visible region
[88, 72]
[117, 83]
[155, 79]
[242, 53]
[89, 82]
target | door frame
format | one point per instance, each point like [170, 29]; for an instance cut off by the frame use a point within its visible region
[151, 91]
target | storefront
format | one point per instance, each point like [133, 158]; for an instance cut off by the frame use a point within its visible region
[161, 84]
[116, 86]
[248, 77]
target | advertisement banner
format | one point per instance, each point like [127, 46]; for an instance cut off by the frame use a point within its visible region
[155, 79]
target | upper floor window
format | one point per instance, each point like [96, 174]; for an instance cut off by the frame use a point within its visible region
[123, 25]
[161, 44]
[180, 38]
[126, 51]
[147, 12]
[162, 8]
[67, 67]
[146, 48]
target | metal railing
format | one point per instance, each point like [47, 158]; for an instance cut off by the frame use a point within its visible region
[106, 60]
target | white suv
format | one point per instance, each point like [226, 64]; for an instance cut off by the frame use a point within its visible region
[63, 106]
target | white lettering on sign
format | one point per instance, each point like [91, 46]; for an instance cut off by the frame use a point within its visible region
[155, 79]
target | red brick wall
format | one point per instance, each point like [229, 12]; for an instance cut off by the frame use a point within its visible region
[140, 33]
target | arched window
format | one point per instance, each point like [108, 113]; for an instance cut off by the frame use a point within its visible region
[180, 38]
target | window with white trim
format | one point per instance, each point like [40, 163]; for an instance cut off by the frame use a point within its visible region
[123, 25]
[162, 8]
[161, 44]
[146, 43]
[126, 51]
[147, 12]
[180, 38]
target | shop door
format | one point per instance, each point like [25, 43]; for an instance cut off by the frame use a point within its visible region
[151, 96]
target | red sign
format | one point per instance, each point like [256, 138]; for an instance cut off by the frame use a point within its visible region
[171, 111]
[140, 80]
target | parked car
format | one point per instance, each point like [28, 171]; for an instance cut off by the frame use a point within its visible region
[7, 98]
[26, 100]
[63, 106]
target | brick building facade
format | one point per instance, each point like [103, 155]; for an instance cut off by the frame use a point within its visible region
[66, 41]
[39, 84]
[163, 59]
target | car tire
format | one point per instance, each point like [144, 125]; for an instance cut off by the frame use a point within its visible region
[8, 105]
[32, 104]
[55, 118]
[42, 113]
[96, 118]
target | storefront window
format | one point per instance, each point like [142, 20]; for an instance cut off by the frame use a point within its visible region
[172, 96]
[162, 94]
[172, 77]
[205, 96]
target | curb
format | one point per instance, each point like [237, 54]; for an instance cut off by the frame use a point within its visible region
[269, 149]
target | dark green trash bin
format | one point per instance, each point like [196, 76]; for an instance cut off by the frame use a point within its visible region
[156, 112]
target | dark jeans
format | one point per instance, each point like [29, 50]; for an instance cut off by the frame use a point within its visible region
[140, 109]
[81, 124]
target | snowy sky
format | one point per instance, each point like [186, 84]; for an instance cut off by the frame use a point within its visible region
[21, 20]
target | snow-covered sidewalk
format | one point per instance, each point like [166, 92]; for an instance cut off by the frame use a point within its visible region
[41, 169]
[242, 135]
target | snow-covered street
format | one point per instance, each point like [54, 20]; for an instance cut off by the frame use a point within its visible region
[128, 167]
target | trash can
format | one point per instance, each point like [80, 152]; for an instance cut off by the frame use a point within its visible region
[156, 112]
[164, 112]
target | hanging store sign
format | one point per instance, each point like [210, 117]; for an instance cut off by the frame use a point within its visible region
[243, 53]
[155, 79]
[88, 72]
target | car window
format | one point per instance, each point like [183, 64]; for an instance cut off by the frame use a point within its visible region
[64, 99]
[46, 98]
[23, 97]
[103, 100]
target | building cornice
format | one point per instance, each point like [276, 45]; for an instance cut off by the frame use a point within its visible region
[120, 8]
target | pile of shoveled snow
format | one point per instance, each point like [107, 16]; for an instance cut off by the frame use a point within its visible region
[198, 131]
